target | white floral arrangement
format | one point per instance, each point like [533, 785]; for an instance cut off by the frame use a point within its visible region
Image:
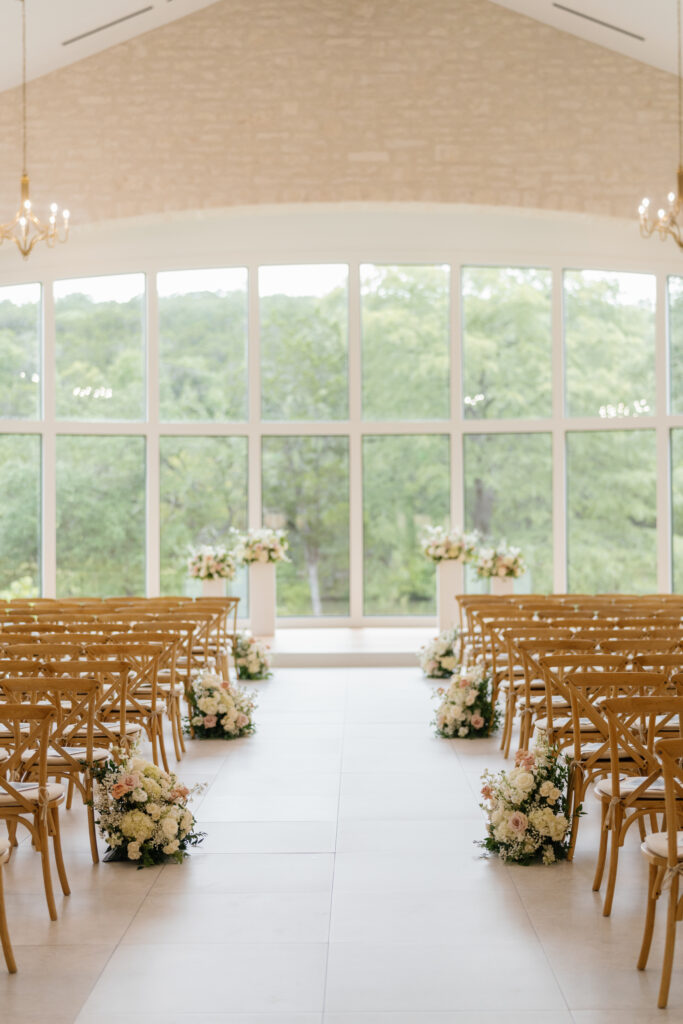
[500, 561]
[252, 657]
[439, 544]
[438, 658]
[211, 563]
[142, 811]
[217, 709]
[527, 807]
[262, 546]
[466, 709]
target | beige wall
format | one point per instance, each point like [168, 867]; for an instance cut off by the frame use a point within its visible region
[287, 101]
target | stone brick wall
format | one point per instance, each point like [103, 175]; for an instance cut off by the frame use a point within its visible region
[287, 101]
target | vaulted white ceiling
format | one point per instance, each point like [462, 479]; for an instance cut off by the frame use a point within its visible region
[60, 32]
[642, 29]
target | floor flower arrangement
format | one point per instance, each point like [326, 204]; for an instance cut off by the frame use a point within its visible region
[218, 709]
[142, 813]
[211, 563]
[252, 657]
[466, 709]
[438, 658]
[526, 807]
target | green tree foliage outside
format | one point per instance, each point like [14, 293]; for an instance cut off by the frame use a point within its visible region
[20, 352]
[508, 495]
[405, 342]
[611, 511]
[306, 492]
[203, 484]
[20, 515]
[507, 343]
[609, 342]
[100, 354]
[100, 515]
[202, 354]
[406, 484]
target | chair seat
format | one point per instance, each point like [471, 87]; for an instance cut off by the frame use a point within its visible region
[629, 783]
[132, 728]
[78, 753]
[31, 791]
[658, 843]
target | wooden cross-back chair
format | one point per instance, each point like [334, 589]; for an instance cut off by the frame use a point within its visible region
[664, 853]
[633, 791]
[34, 804]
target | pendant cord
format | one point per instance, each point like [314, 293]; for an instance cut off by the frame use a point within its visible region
[24, 81]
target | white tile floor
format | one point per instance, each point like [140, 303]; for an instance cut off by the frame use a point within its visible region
[338, 883]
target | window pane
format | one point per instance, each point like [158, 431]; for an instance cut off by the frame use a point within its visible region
[677, 508]
[507, 342]
[675, 296]
[203, 493]
[609, 343]
[20, 330]
[405, 342]
[19, 515]
[304, 342]
[100, 516]
[406, 484]
[203, 344]
[611, 511]
[100, 347]
[306, 492]
[509, 494]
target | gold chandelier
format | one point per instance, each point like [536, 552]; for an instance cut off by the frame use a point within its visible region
[25, 229]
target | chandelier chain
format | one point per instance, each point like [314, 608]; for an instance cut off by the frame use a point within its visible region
[23, 86]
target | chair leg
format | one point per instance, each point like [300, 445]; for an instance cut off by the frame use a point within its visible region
[70, 795]
[59, 859]
[12, 833]
[602, 852]
[576, 793]
[4, 933]
[670, 943]
[512, 705]
[615, 842]
[175, 727]
[159, 727]
[650, 912]
[44, 850]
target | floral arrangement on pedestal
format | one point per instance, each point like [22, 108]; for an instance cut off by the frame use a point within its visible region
[439, 544]
[211, 563]
[466, 709]
[142, 811]
[252, 657]
[500, 561]
[262, 546]
[217, 709]
[527, 807]
[438, 658]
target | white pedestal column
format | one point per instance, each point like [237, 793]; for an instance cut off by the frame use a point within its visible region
[262, 598]
[502, 586]
[213, 588]
[450, 580]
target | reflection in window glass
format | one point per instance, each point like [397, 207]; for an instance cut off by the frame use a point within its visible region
[609, 343]
[203, 483]
[203, 344]
[405, 342]
[406, 485]
[306, 492]
[508, 495]
[507, 342]
[19, 515]
[612, 511]
[675, 296]
[20, 329]
[304, 342]
[100, 516]
[100, 348]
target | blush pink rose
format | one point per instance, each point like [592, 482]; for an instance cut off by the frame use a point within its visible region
[518, 822]
[241, 720]
[487, 792]
[477, 722]
[131, 780]
[209, 721]
[119, 790]
[179, 793]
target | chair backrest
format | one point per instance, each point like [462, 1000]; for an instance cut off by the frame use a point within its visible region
[671, 753]
[26, 739]
[75, 702]
[635, 724]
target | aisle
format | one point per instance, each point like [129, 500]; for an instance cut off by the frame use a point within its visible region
[338, 884]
